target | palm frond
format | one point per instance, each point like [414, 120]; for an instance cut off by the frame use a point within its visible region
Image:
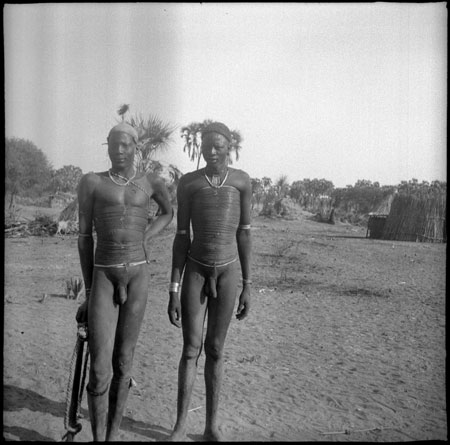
[236, 140]
[154, 134]
[191, 135]
[282, 181]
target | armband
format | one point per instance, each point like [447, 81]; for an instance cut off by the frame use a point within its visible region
[182, 232]
[245, 281]
[244, 227]
[174, 287]
[85, 235]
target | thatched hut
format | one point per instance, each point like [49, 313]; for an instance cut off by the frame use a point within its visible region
[68, 219]
[417, 218]
[70, 213]
[377, 218]
[375, 225]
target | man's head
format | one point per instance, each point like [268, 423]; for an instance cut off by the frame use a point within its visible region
[123, 127]
[216, 139]
[217, 127]
[122, 141]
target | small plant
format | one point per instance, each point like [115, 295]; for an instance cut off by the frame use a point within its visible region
[74, 288]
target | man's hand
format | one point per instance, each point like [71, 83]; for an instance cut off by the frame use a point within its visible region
[82, 313]
[174, 309]
[244, 304]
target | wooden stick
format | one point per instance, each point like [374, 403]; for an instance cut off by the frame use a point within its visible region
[355, 431]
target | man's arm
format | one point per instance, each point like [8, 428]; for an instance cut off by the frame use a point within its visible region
[162, 198]
[180, 249]
[244, 244]
[85, 241]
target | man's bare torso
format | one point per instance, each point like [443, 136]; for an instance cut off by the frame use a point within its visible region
[116, 209]
[215, 216]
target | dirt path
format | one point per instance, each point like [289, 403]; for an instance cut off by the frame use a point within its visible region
[346, 342]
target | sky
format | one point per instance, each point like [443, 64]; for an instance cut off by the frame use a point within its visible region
[336, 91]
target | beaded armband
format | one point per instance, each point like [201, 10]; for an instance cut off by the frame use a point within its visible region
[244, 227]
[85, 235]
[182, 232]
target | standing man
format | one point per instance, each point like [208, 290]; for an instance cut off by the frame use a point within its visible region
[116, 203]
[215, 200]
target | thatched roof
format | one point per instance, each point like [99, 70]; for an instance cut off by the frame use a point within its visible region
[414, 218]
[384, 207]
[70, 213]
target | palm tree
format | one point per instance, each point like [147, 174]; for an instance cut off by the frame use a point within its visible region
[282, 186]
[154, 135]
[236, 140]
[192, 141]
[192, 135]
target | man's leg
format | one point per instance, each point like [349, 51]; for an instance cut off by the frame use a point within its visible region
[220, 311]
[98, 409]
[131, 315]
[193, 308]
[102, 320]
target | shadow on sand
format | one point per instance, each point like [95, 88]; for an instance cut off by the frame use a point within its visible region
[15, 399]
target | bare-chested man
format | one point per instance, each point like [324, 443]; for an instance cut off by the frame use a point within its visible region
[215, 200]
[116, 203]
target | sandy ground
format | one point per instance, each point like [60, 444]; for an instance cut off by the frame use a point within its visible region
[345, 342]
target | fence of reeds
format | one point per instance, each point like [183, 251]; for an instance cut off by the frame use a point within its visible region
[417, 218]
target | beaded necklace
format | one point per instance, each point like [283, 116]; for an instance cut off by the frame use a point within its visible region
[127, 180]
[215, 182]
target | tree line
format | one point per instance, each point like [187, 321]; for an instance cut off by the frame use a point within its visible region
[28, 173]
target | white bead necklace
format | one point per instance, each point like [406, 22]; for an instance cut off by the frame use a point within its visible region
[213, 184]
[127, 180]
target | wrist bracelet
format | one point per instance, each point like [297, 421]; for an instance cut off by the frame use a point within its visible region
[247, 281]
[174, 287]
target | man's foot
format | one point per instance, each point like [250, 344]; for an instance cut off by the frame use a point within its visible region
[212, 435]
[178, 435]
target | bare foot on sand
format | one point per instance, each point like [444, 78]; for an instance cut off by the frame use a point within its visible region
[178, 435]
[212, 435]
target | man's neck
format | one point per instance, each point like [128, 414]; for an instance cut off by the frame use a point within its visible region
[126, 172]
[219, 170]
